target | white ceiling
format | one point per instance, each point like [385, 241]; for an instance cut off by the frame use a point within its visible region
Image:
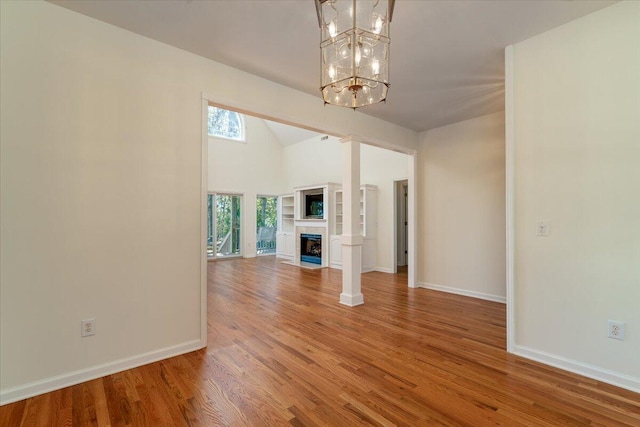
[446, 56]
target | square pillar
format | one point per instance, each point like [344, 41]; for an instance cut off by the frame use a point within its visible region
[351, 236]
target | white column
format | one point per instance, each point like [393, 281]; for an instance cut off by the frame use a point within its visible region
[351, 236]
[412, 218]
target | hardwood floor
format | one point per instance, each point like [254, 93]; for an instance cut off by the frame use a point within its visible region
[282, 351]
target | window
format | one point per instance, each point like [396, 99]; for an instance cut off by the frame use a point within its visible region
[225, 124]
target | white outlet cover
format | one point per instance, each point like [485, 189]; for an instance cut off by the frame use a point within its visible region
[88, 327]
[542, 228]
[616, 330]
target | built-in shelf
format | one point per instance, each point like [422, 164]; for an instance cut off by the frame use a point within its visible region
[368, 224]
[285, 243]
[287, 213]
[367, 208]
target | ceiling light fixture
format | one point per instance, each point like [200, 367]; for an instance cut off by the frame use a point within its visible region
[354, 51]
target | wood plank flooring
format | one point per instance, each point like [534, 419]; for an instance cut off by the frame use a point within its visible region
[282, 351]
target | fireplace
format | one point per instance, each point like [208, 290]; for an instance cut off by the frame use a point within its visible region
[311, 248]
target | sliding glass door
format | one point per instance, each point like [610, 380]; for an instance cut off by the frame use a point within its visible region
[266, 224]
[224, 219]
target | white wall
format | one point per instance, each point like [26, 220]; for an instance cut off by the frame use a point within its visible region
[312, 162]
[577, 157]
[315, 161]
[251, 168]
[101, 191]
[461, 225]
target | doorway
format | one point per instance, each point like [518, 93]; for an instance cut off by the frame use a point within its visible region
[402, 223]
[305, 120]
[224, 219]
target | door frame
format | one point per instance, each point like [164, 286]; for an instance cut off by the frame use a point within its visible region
[265, 111]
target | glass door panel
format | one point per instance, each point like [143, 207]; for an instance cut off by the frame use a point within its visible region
[266, 224]
[224, 219]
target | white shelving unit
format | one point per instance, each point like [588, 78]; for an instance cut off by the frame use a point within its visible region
[287, 209]
[338, 211]
[367, 211]
[285, 244]
[368, 225]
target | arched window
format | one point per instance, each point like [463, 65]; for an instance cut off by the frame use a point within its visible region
[225, 124]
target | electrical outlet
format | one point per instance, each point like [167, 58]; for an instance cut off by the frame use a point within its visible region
[542, 229]
[616, 330]
[88, 327]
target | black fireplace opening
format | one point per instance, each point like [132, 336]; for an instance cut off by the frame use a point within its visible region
[311, 248]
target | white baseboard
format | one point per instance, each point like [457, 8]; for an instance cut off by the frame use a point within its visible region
[76, 377]
[584, 369]
[366, 269]
[465, 292]
[351, 300]
[383, 270]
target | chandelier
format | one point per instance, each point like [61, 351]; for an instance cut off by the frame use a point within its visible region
[354, 51]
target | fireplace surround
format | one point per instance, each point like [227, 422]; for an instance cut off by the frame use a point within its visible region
[311, 248]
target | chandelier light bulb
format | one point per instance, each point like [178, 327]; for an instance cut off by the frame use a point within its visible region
[358, 56]
[375, 67]
[333, 30]
[377, 27]
[332, 72]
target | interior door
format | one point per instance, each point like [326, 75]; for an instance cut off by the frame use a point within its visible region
[402, 226]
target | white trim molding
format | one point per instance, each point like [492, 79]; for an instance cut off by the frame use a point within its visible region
[510, 160]
[580, 368]
[204, 193]
[463, 292]
[412, 217]
[76, 377]
[320, 123]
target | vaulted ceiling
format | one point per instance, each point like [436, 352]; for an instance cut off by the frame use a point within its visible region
[447, 57]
